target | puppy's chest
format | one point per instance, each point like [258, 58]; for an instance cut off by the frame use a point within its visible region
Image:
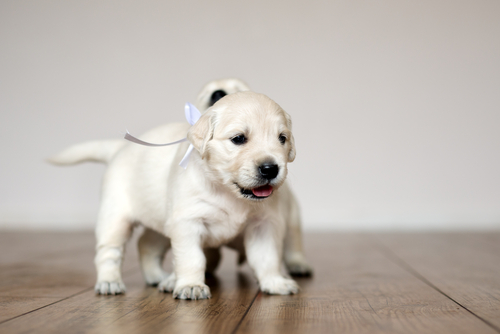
[224, 223]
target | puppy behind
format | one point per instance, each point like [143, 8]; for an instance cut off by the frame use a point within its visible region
[217, 89]
[234, 188]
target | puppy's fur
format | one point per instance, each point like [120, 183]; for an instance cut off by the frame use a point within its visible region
[211, 203]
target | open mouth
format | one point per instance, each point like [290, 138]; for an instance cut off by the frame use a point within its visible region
[257, 193]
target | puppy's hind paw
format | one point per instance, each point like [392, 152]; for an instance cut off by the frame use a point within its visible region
[109, 288]
[299, 269]
[155, 278]
[279, 286]
[192, 292]
[168, 284]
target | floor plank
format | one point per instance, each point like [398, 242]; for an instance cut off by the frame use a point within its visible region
[146, 310]
[362, 284]
[463, 266]
[356, 289]
[30, 246]
[39, 269]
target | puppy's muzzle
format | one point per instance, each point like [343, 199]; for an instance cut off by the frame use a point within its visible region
[269, 171]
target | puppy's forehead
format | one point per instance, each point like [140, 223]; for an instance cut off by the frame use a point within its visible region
[246, 108]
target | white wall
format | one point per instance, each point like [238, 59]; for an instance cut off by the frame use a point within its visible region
[396, 104]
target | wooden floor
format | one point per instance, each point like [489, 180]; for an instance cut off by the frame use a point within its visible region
[363, 283]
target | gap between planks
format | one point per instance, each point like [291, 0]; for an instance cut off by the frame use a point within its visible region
[392, 256]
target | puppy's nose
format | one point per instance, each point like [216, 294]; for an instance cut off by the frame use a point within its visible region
[269, 171]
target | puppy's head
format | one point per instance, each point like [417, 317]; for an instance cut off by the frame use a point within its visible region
[246, 142]
[217, 89]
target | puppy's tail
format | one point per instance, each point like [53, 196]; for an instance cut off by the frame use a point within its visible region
[95, 151]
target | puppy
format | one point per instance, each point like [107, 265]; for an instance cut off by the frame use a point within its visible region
[294, 258]
[233, 192]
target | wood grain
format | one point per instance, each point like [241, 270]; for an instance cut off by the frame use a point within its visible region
[388, 283]
[146, 310]
[356, 289]
[38, 269]
[463, 266]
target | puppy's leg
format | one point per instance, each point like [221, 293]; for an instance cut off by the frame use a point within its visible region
[213, 258]
[295, 260]
[152, 248]
[190, 264]
[238, 245]
[112, 233]
[168, 284]
[263, 245]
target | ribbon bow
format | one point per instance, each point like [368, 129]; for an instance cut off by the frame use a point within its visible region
[192, 116]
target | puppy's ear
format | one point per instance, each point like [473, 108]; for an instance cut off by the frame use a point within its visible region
[202, 132]
[291, 153]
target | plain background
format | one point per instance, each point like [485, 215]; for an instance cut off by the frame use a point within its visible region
[396, 104]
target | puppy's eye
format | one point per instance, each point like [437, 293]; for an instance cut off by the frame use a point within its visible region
[239, 140]
[282, 139]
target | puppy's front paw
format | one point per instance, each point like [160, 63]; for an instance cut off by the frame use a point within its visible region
[279, 285]
[192, 292]
[109, 288]
[168, 284]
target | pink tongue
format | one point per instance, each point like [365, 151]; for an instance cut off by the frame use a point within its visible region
[263, 191]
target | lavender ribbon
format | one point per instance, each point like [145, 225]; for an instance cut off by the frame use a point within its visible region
[192, 116]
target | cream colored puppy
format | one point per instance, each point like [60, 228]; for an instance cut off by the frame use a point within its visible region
[233, 186]
[294, 258]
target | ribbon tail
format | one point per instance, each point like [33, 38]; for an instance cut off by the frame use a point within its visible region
[133, 139]
[185, 160]
[192, 113]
